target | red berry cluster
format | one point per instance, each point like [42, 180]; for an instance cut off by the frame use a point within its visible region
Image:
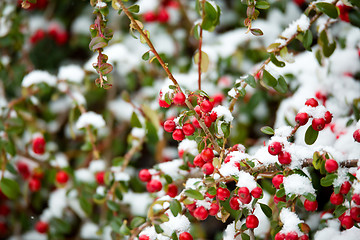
[290, 236]
[178, 132]
[277, 181]
[33, 177]
[59, 35]
[244, 196]
[154, 185]
[344, 11]
[318, 124]
[200, 212]
[276, 148]
[162, 15]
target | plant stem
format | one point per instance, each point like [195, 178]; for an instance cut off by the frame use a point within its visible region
[200, 43]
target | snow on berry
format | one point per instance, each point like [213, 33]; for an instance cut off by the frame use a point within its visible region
[290, 221]
[188, 146]
[178, 224]
[38, 76]
[246, 180]
[297, 184]
[90, 118]
[224, 112]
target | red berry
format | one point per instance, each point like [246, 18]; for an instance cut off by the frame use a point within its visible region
[100, 176]
[34, 184]
[178, 135]
[284, 158]
[149, 17]
[277, 180]
[292, 236]
[243, 193]
[209, 195]
[23, 169]
[206, 106]
[355, 213]
[185, 236]
[198, 110]
[304, 237]
[299, 2]
[274, 148]
[310, 206]
[169, 125]
[280, 236]
[256, 192]
[201, 213]
[345, 187]
[163, 103]
[163, 15]
[213, 116]
[207, 155]
[199, 161]
[196, 123]
[356, 198]
[318, 124]
[234, 203]
[336, 199]
[356, 135]
[214, 209]
[153, 186]
[218, 98]
[227, 159]
[4, 210]
[328, 117]
[252, 221]
[179, 98]
[208, 168]
[331, 165]
[38, 145]
[144, 237]
[144, 175]
[208, 121]
[302, 118]
[38, 35]
[279, 199]
[62, 177]
[344, 12]
[222, 193]
[347, 222]
[312, 102]
[42, 227]
[188, 129]
[172, 190]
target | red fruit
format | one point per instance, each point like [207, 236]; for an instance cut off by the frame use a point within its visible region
[206, 106]
[149, 17]
[38, 35]
[62, 177]
[178, 135]
[100, 177]
[208, 121]
[34, 184]
[198, 110]
[345, 187]
[38, 145]
[179, 98]
[274, 148]
[234, 203]
[23, 169]
[4, 210]
[185, 236]
[198, 161]
[310, 206]
[163, 15]
[336, 199]
[344, 12]
[279, 199]
[243, 193]
[299, 2]
[213, 116]
[172, 190]
[356, 198]
[207, 155]
[208, 168]
[347, 222]
[252, 221]
[222, 193]
[188, 129]
[209, 195]
[256, 192]
[318, 124]
[277, 180]
[218, 98]
[356, 135]
[144, 175]
[181, 153]
[328, 117]
[304, 237]
[280, 236]
[38, 173]
[201, 213]
[312, 102]
[331, 165]
[153, 186]
[227, 159]
[284, 158]
[301, 118]
[196, 123]
[42, 227]
[163, 103]
[169, 125]
[214, 209]
[292, 236]
[144, 237]
[355, 213]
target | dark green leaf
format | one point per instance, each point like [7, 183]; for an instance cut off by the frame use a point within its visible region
[11, 168]
[210, 11]
[307, 40]
[328, 8]
[266, 210]
[280, 192]
[225, 129]
[158, 229]
[135, 122]
[10, 188]
[281, 86]
[212, 191]
[339, 210]
[356, 112]
[267, 130]
[311, 135]
[146, 56]
[328, 180]
[85, 205]
[268, 79]
[249, 79]
[262, 5]
[136, 222]
[124, 230]
[134, 8]
[113, 206]
[175, 207]
[311, 197]
[194, 194]
[275, 61]
[244, 236]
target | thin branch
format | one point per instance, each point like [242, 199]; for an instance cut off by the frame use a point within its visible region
[200, 43]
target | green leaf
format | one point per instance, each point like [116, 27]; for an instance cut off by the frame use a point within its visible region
[10, 148]
[11, 168]
[281, 86]
[256, 32]
[244, 236]
[204, 61]
[135, 122]
[113, 206]
[328, 9]
[267, 130]
[307, 40]
[275, 61]
[266, 210]
[262, 5]
[328, 180]
[86, 147]
[311, 135]
[356, 112]
[124, 229]
[212, 191]
[158, 229]
[210, 11]
[134, 8]
[175, 207]
[311, 197]
[10, 188]
[268, 79]
[249, 79]
[280, 192]
[328, 50]
[136, 222]
[339, 210]
[196, 32]
[97, 43]
[146, 56]
[60, 225]
[194, 194]
[174, 236]
[225, 129]
[106, 68]
[85, 205]
[116, 225]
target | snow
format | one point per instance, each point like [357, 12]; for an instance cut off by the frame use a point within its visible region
[180, 224]
[97, 165]
[90, 118]
[38, 76]
[283, 131]
[222, 111]
[122, 110]
[290, 221]
[301, 25]
[84, 175]
[101, 190]
[139, 202]
[72, 73]
[203, 203]
[171, 168]
[188, 146]
[342, 177]
[60, 161]
[100, 4]
[88, 231]
[230, 230]
[246, 180]
[121, 176]
[297, 184]
[331, 233]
